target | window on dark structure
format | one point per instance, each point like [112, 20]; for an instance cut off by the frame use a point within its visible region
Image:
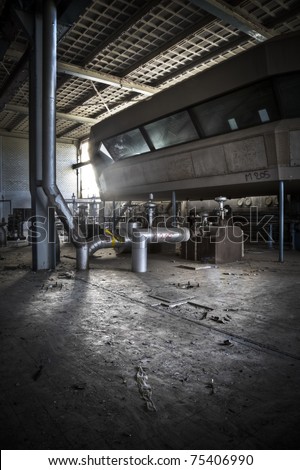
[126, 145]
[172, 130]
[238, 110]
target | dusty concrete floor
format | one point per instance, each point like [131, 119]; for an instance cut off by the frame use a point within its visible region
[223, 368]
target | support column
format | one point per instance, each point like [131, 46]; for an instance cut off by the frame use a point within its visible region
[39, 205]
[114, 217]
[281, 221]
[174, 209]
[49, 114]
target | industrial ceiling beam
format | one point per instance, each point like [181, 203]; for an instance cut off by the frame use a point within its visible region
[66, 117]
[158, 51]
[179, 37]
[105, 78]
[69, 129]
[226, 13]
[24, 135]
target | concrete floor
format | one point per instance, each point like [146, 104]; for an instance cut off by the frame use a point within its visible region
[222, 365]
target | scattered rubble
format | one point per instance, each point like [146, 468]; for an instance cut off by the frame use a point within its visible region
[145, 389]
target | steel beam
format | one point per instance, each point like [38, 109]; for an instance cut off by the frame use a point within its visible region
[65, 116]
[229, 15]
[105, 78]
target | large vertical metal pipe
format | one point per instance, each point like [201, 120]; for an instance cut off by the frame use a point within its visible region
[49, 109]
[281, 220]
[141, 237]
[114, 217]
[82, 257]
[39, 204]
[49, 92]
[139, 253]
[174, 209]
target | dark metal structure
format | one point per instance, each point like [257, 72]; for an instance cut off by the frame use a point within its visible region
[206, 136]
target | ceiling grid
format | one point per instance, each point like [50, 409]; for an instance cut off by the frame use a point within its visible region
[153, 43]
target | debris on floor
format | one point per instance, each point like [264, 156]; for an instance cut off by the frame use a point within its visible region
[68, 257]
[170, 298]
[230, 385]
[15, 267]
[187, 285]
[37, 374]
[211, 386]
[193, 267]
[226, 342]
[145, 389]
[220, 319]
[196, 304]
[51, 287]
[79, 386]
[66, 275]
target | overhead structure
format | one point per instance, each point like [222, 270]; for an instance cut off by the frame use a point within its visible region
[64, 116]
[206, 136]
[111, 55]
[229, 15]
[105, 78]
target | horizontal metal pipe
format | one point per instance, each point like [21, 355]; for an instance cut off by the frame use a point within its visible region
[103, 242]
[163, 234]
[141, 237]
[139, 241]
[75, 166]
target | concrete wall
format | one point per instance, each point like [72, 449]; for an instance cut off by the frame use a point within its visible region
[14, 172]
